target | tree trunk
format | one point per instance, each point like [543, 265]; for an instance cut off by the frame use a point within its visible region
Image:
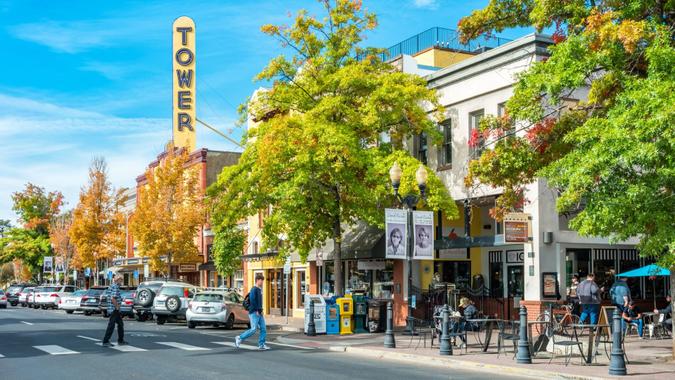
[672, 302]
[337, 257]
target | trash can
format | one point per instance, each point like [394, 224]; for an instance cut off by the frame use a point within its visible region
[319, 313]
[377, 315]
[360, 314]
[332, 319]
[346, 305]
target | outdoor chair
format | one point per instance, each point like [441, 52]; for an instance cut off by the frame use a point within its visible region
[424, 329]
[630, 327]
[660, 330]
[569, 343]
[508, 332]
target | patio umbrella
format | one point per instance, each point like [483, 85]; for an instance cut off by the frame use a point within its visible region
[651, 270]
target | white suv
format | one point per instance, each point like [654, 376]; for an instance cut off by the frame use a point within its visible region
[172, 300]
[48, 296]
[217, 308]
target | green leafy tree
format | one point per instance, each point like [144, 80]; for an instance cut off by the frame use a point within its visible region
[316, 154]
[227, 248]
[611, 157]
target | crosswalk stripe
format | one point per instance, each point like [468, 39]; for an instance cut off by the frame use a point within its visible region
[290, 345]
[2, 356]
[182, 346]
[88, 338]
[28, 323]
[53, 349]
[231, 344]
[124, 348]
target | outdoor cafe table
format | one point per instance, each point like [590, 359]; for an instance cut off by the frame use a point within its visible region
[592, 341]
[489, 326]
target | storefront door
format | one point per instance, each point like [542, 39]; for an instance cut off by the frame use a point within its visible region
[515, 276]
[276, 292]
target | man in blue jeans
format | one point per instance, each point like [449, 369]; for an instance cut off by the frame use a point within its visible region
[589, 299]
[255, 315]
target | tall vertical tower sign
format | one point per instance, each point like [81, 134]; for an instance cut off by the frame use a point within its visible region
[184, 84]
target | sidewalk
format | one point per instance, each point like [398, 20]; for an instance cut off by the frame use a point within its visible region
[648, 359]
[278, 323]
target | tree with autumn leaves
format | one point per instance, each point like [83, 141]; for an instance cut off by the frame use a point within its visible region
[98, 222]
[169, 211]
[316, 154]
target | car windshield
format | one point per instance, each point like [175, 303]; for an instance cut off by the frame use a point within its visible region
[95, 292]
[13, 289]
[28, 290]
[79, 293]
[154, 287]
[209, 297]
[46, 289]
[172, 291]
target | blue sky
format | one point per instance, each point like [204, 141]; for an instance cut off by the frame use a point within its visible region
[93, 78]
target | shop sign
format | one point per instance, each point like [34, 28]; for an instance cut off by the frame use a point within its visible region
[132, 261]
[396, 222]
[423, 227]
[549, 284]
[452, 253]
[370, 265]
[118, 262]
[184, 83]
[514, 256]
[146, 270]
[187, 267]
[517, 228]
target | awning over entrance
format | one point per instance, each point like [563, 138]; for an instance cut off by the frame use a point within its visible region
[361, 241]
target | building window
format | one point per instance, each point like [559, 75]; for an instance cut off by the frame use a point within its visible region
[501, 109]
[474, 125]
[422, 148]
[301, 288]
[445, 151]
[255, 247]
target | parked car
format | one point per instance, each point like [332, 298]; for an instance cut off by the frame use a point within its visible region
[103, 300]
[91, 299]
[171, 301]
[216, 308]
[48, 296]
[3, 299]
[13, 293]
[145, 295]
[30, 298]
[23, 296]
[71, 303]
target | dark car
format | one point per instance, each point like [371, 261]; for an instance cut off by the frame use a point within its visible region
[103, 300]
[13, 293]
[91, 300]
[145, 295]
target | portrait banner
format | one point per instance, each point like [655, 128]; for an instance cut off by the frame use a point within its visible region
[396, 222]
[423, 227]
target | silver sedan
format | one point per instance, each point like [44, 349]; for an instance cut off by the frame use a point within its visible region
[216, 308]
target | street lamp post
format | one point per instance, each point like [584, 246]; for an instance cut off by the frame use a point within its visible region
[409, 201]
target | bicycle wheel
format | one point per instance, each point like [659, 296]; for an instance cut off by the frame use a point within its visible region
[541, 328]
[567, 322]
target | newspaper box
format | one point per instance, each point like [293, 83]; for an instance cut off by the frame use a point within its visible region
[319, 313]
[332, 319]
[346, 305]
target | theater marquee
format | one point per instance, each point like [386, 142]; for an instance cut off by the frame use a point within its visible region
[184, 84]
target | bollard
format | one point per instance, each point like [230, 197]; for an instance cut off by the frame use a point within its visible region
[617, 364]
[446, 347]
[523, 356]
[311, 327]
[389, 341]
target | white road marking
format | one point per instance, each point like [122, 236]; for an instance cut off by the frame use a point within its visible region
[231, 344]
[89, 338]
[2, 356]
[291, 345]
[124, 348]
[28, 323]
[182, 346]
[55, 350]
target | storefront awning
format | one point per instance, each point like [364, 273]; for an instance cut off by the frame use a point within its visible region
[361, 241]
[207, 266]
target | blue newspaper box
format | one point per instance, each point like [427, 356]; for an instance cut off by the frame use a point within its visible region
[332, 319]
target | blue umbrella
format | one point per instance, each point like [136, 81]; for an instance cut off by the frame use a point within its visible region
[646, 271]
[651, 270]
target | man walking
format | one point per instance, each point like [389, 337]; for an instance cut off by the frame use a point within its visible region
[114, 311]
[255, 315]
[589, 298]
[620, 294]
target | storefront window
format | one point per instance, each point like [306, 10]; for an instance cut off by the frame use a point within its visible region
[633, 282]
[358, 280]
[516, 285]
[383, 281]
[301, 288]
[454, 272]
[604, 270]
[496, 280]
[328, 278]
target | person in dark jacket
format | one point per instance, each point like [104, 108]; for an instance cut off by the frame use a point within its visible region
[668, 312]
[589, 298]
[255, 315]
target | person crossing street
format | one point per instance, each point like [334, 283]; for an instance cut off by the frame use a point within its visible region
[255, 315]
[114, 311]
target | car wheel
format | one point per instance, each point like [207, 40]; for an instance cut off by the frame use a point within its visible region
[14, 303]
[191, 325]
[23, 305]
[87, 313]
[161, 320]
[230, 322]
[144, 297]
[69, 311]
[172, 304]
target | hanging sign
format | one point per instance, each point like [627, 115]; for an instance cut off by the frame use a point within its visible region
[184, 84]
[396, 222]
[146, 270]
[423, 227]
[48, 264]
[517, 228]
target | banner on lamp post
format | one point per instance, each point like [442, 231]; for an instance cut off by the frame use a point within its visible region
[423, 227]
[48, 264]
[396, 227]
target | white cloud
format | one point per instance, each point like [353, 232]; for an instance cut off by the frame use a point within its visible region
[431, 4]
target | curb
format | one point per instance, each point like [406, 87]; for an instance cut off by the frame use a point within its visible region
[287, 340]
[459, 364]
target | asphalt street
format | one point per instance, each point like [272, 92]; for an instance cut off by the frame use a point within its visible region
[39, 344]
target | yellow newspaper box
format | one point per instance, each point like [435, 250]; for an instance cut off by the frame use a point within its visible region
[346, 305]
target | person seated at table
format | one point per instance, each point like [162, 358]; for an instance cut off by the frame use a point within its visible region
[469, 311]
[632, 315]
[668, 312]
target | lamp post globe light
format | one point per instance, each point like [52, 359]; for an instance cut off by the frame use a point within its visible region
[409, 202]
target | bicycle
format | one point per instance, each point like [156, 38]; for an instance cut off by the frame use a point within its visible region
[560, 324]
